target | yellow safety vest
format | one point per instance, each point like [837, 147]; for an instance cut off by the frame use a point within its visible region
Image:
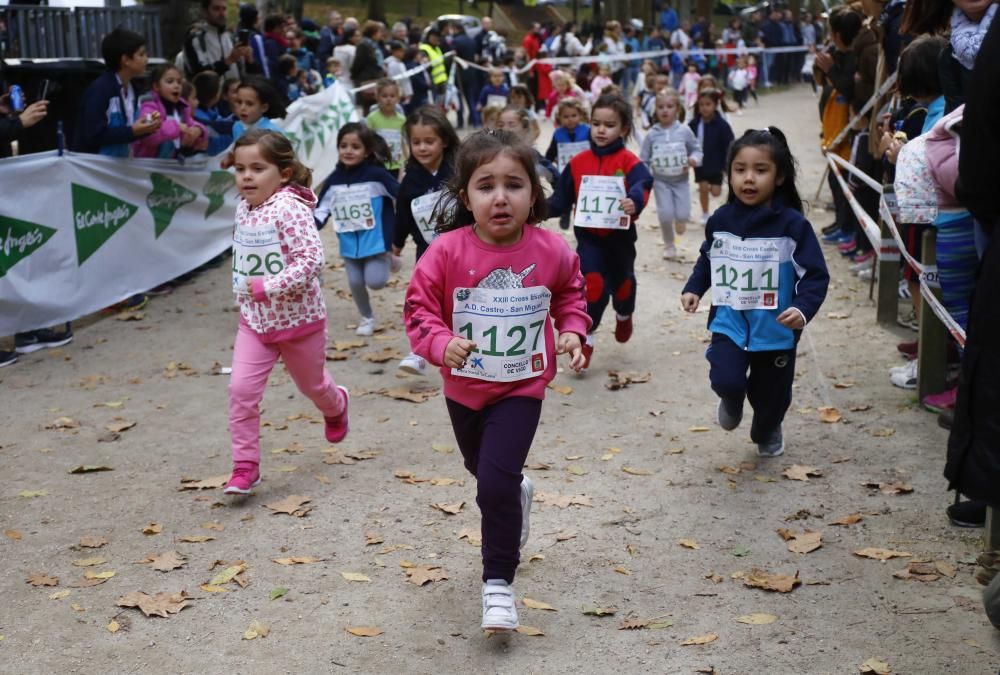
[438, 73]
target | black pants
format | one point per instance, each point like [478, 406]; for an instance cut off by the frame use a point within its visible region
[768, 386]
[494, 442]
[608, 267]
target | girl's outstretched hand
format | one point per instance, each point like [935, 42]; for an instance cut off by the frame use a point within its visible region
[792, 318]
[569, 343]
[457, 352]
[628, 206]
[689, 301]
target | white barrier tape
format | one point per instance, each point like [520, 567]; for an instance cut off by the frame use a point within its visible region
[889, 250]
[409, 73]
[839, 138]
[858, 173]
[890, 222]
[869, 226]
[942, 314]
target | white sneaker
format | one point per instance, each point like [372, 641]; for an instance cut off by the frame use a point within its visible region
[866, 274]
[366, 328]
[499, 612]
[704, 219]
[413, 364]
[906, 379]
[670, 253]
[906, 367]
[527, 496]
[866, 265]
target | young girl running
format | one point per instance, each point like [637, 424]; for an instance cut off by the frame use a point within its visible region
[571, 136]
[179, 134]
[258, 104]
[359, 197]
[768, 279]
[714, 135]
[519, 121]
[670, 149]
[277, 260]
[607, 187]
[481, 305]
[387, 122]
[433, 144]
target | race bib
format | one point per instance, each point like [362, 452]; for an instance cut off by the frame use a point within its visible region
[508, 325]
[351, 209]
[255, 254]
[599, 203]
[669, 158]
[496, 100]
[567, 151]
[745, 272]
[394, 139]
[422, 208]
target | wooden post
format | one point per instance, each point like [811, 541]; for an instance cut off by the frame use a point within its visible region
[992, 529]
[888, 273]
[931, 357]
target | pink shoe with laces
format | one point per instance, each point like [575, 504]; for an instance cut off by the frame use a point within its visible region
[246, 476]
[940, 402]
[337, 427]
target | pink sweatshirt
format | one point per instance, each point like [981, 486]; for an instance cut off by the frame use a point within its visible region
[288, 302]
[169, 131]
[460, 259]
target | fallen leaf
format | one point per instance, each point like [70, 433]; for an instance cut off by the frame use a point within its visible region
[804, 542]
[345, 345]
[829, 414]
[599, 611]
[12, 534]
[757, 619]
[893, 488]
[564, 390]
[291, 505]
[85, 468]
[529, 630]
[698, 430]
[442, 448]
[63, 423]
[196, 538]
[873, 665]
[212, 483]
[472, 535]
[860, 408]
[108, 437]
[781, 583]
[42, 579]
[843, 385]
[119, 427]
[89, 562]
[417, 394]
[700, 640]
[837, 315]
[451, 509]
[947, 569]
[562, 501]
[298, 560]
[731, 470]
[209, 588]
[576, 470]
[537, 556]
[636, 472]
[352, 576]
[101, 576]
[848, 520]
[256, 630]
[881, 553]
[114, 405]
[537, 604]
[159, 604]
[113, 626]
[59, 595]
[443, 482]
[619, 380]
[883, 433]
[164, 562]
[152, 528]
[566, 535]
[228, 574]
[364, 631]
[689, 543]
[801, 472]
[76, 607]
[740, 551]
[218, 527]
[276, 593]
[424, 575]
[395, 547]
[31, 494]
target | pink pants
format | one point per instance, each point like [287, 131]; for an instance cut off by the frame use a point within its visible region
[253, 360]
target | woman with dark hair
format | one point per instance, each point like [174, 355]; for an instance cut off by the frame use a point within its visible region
[368, 63]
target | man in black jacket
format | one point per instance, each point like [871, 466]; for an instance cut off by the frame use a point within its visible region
[210, 46]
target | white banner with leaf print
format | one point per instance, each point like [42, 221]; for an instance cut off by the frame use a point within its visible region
[312, 124]
[79, 233]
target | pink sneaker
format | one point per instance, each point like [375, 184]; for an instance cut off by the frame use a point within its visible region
[940, 402]
[337, 427]
[246, 476]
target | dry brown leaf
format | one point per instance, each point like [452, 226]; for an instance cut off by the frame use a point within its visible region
[848, 520]
[218, 527]
[364, 631]
[196, 538]
[95, 576]
[151, 529]
[757, 619]
[689, 543]
[883, 433]
[829, 414]
[416, 394]
[298, 560]
[619, 380]
[860, 408]
[801, 542]
[782, 583]
[529, 630]
[164, 562]
[113, 626]
[345, 345]
[12, 534]
[291, 505]
[204, 484]
[371, 539]
[698, 430]
[256, 630]
[843, 385]
[700, 640]
[86, 468]
[731, 470]
[120, 426]
[450, 509]
[42, 579]
[383, 356]
[881, 553]
[158, 604]
[636, 472]
[566, 535]
[564, 390]
[76, 607]
[209, 588]
[472, 535]
[875, 666]
[947, 569]
[228, 574]
[562, 501]
[89, 562]
[599, 611]
[63, 423]
[538, 604]
[801, 472]
[59, 595]
[421, 575]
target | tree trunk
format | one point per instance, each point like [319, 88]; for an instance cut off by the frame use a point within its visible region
[704, 8]
[376, 10]
[176, 17]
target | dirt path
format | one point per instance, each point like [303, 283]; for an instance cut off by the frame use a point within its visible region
[618, 550]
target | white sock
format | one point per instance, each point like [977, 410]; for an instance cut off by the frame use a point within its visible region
[590, 339]
[622, 317]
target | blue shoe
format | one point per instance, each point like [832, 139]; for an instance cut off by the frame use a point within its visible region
[774, 446]
[835, 237]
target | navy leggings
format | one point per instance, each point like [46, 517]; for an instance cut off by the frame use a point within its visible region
[608, 267]
[494, 442]
[768, 386]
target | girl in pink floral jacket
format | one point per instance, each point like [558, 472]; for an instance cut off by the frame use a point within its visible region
[277, 260]
[179, 134]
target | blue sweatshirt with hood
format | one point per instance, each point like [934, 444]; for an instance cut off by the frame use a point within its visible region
[802, 273]
[382, 189]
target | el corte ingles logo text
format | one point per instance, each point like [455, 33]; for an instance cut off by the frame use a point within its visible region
[167, 196]
[96, 218]
[18, 240]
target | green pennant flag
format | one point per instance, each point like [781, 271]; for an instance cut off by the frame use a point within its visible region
[19, 239]
[96, 217]
[218, 184]
[166, 198]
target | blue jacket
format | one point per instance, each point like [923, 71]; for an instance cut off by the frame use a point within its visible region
[417, 182]
[715, 142]
[383, 188]
[563, 135]
[802, 273]
[103, 126]
[220, 129]
[490, 90]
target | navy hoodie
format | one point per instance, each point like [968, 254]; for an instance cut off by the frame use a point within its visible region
[103, 126]
[802, 273]
[382, 188]
[417, 182]
[717, 137]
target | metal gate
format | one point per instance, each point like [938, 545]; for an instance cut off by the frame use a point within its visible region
[55, 32]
